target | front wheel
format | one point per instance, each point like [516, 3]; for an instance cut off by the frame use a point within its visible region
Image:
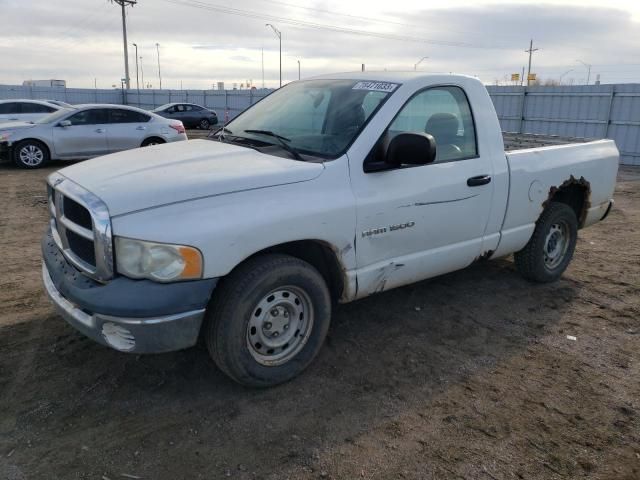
[204, 124]
[550, 249]
[30, 154]
[268, 320]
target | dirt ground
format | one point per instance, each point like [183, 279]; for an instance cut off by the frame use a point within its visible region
[466, 376]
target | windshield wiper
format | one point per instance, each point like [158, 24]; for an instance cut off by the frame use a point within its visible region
[282, 140]
[221, 129]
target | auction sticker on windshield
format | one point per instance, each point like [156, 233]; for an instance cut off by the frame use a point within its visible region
[376, 86]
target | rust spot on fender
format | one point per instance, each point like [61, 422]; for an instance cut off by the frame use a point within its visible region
[586, 201]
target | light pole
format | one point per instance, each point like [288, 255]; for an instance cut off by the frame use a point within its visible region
[159, 75]
[298, 69]
[142, 72]
[588, 66]
[137, 74]
[415, 67]
[562, 76]
[279, 35]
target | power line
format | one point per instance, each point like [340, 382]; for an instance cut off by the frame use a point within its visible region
[320, 26]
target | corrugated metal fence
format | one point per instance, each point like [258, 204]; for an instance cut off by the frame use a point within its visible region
[589, 111]
[230, 101]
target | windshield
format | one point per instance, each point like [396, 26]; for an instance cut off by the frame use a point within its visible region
[317, 117]
[162, 107]
[55, 116]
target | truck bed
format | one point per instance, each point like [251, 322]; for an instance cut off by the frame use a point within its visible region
[521, 141]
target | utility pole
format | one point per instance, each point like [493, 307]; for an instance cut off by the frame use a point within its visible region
[123, 4]
[262, 51]
[159, 75]
[298, 69]
[279, 35]
[530, 51]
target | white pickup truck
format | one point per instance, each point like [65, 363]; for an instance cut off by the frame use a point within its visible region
[328, 190]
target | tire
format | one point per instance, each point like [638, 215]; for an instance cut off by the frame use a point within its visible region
[267, 301]
[31, 154]
[204, 124]
[550, 249]
[152, 141]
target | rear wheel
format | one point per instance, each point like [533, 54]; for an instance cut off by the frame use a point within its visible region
[550, 249]
[268, 320]
[31, 154]
[152, 141]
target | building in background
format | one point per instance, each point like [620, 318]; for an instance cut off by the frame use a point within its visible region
[45, 83]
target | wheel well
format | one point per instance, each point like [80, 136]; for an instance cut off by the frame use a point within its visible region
[158, 139]
[574, 193]
[319, 254]
[33, 140]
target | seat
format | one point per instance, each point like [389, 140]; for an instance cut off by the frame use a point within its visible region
[444, 129]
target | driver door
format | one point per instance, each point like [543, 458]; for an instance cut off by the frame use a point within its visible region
[415, 222]
[86, 137]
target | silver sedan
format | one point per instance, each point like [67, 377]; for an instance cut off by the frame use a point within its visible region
[85, 131]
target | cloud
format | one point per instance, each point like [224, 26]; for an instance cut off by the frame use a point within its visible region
[80, 40]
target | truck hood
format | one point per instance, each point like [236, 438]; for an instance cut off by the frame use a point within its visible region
[160, 175]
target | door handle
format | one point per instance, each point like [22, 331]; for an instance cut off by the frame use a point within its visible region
[141, 128]
[99, 130]
[478, 180]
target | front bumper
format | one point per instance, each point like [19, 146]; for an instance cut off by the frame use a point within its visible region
[137, 316]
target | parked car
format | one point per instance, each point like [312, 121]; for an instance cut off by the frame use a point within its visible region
[25, 110]
[328, 190]
[86, 131]
[191, 115]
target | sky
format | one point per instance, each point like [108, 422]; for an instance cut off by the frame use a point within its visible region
[202, 42]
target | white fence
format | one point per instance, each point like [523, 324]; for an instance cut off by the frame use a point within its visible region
[593, 111]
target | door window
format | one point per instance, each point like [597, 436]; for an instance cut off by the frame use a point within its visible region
[94, 116]
[127, 116]
[444, 113]
[35, 108]
[6, 108]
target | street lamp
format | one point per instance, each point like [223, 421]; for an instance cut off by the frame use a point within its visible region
[588, 66]
[279, 35]
[137, 74]
[562, 76]
[415, 67]
[159, 75]
[142, 72]
[298, 69]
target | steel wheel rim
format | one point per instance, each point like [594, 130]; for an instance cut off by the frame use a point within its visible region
[279, 326]
[31, 155]
[556, 245]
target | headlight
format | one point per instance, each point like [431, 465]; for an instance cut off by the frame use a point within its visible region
[160, 262]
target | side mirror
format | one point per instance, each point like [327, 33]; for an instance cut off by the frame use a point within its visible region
[403, 149]
[64, 123]
[410, 149]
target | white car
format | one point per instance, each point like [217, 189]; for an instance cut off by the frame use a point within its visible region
[18, 110]
[86, 131]
[328, 190]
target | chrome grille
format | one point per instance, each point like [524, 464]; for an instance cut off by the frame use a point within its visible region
[81, 227]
